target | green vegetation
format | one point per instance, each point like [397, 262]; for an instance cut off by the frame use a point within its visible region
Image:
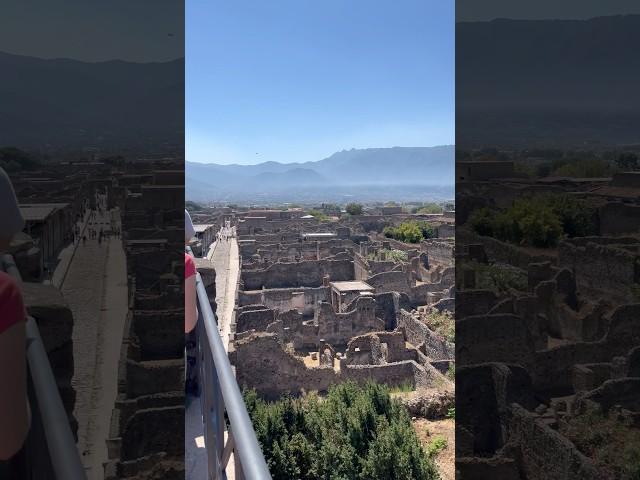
[354, 209]
[354, 433]
[404, 387]
[427, 208]
[436, 446]
[410, 232]
[537, 221]
[321, 216]
[13, 160]
[451, 373]
[610, 443]
[393, 255]
[442, 323]
[451, 413]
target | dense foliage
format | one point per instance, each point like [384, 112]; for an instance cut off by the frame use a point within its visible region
[354, 433]
[410, 232]
[537, 221]
[354, 209]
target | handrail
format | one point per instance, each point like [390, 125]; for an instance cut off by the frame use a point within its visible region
[61, 445]
[223, 392]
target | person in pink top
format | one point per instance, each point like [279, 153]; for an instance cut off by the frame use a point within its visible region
[14, 407]
[190, 299]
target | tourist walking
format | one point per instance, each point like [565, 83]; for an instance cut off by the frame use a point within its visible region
[14, 404]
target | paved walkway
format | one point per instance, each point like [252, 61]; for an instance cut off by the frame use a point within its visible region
[225, 257]
[95, 288]
[225, 260]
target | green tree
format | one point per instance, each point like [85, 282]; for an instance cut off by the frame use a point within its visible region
[354, 209]
[355, 432]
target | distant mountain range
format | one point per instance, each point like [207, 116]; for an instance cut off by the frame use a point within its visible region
[560, 82]
[371, 167]
[65, 103]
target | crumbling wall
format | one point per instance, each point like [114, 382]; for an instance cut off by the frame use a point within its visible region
[300, 274]
[261, 363]
[255, 319]
[419, 335]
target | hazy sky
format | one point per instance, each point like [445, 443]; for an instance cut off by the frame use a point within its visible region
[93, 30]
[297, 80]
[475, 10]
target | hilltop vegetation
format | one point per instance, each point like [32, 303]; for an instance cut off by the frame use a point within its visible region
[353, 433]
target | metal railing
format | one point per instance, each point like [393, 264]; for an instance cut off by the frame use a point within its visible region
[50, 450]
[219, 394]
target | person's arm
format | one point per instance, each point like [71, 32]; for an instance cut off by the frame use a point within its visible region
[190, 304]
[14, 416]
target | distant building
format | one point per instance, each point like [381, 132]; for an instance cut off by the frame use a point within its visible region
[205, 235]
[50, 224]
[391, 210]
[343, 293]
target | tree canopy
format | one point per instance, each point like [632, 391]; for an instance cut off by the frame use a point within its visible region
[354, 209]
[355, 433]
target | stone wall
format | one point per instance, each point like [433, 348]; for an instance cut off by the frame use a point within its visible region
[419, 335]
[302, 274]
[283, 298]
[261, 363]
[390, 282]
[255, 319]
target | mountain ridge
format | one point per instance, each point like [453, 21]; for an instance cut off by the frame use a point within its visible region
[374, 167]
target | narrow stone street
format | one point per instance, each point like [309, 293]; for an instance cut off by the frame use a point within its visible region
[226, 262]
[95, 287]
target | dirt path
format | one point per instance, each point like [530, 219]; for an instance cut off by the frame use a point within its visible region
[428, 431]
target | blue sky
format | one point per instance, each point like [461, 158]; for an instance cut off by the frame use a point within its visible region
[297, 80]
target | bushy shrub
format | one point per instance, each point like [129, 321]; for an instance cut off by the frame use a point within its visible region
[354, 433]
[354, 209]
[410, 232]
[536, 221]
